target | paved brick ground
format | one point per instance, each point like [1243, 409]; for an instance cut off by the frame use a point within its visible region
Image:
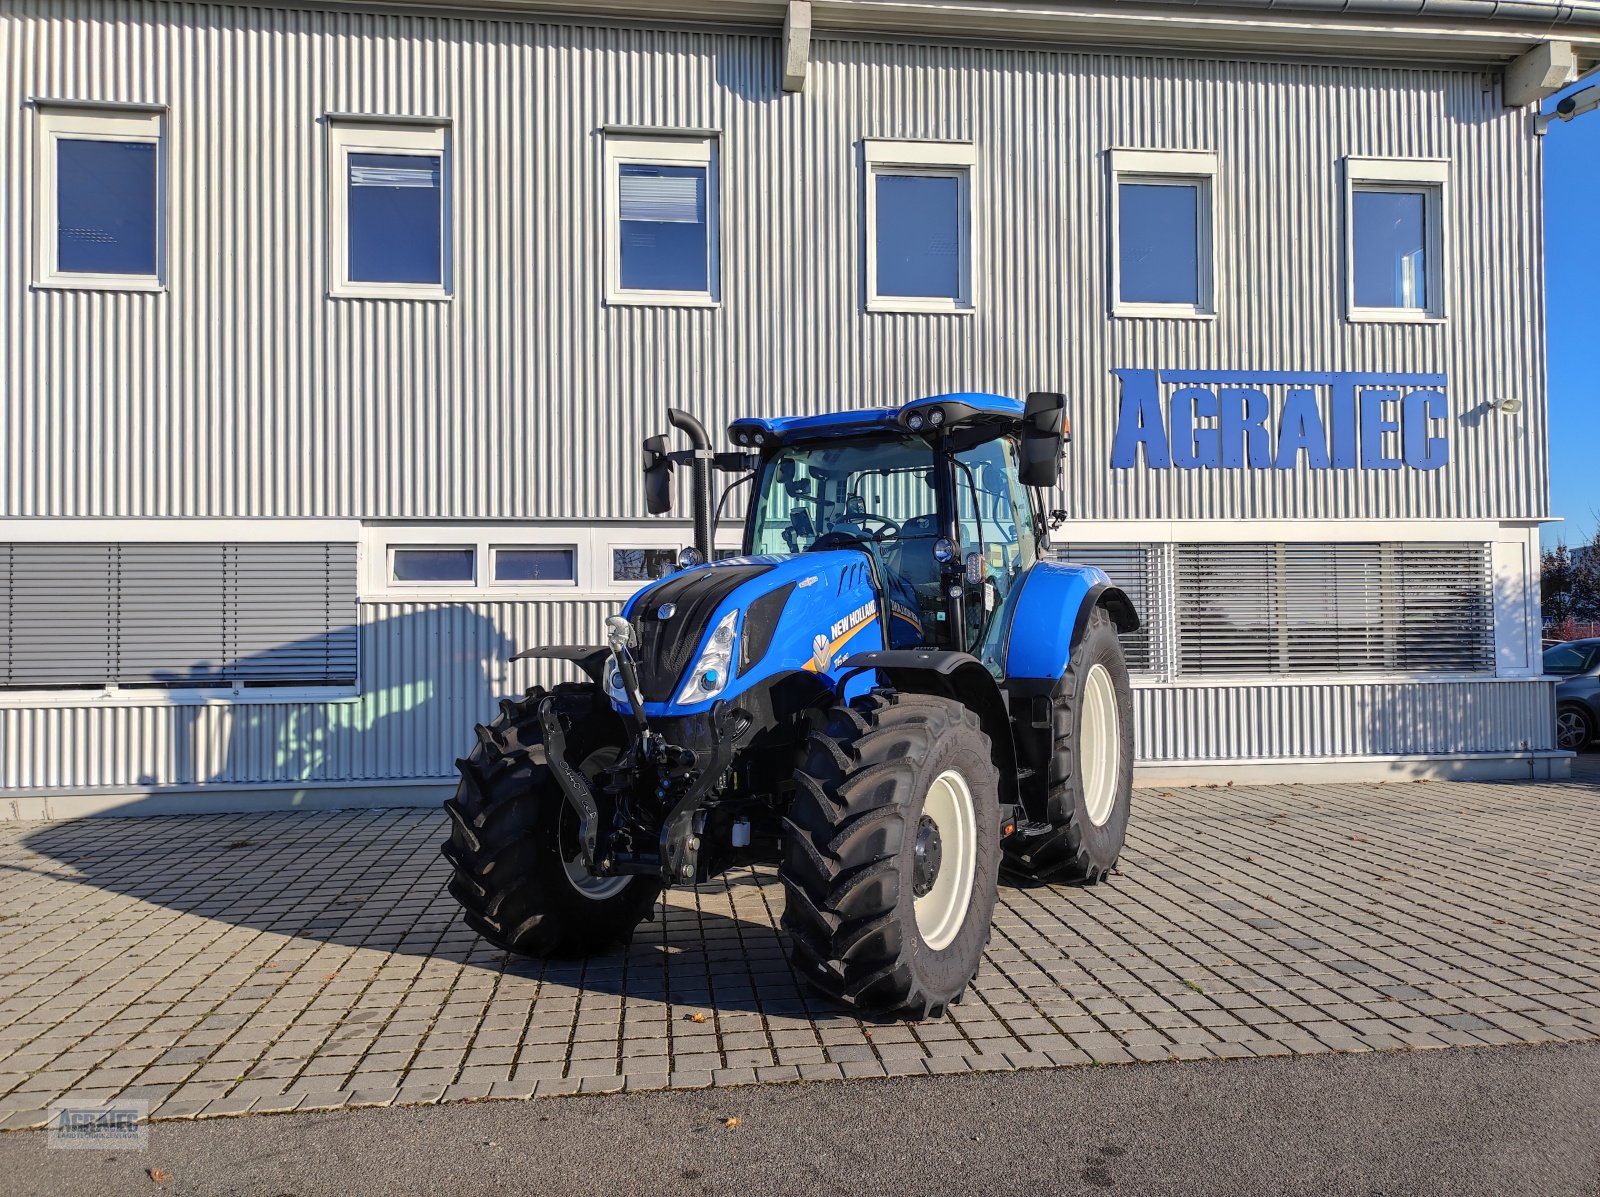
[226, 964]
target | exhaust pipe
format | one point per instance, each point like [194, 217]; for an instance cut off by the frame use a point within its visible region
[699, 475]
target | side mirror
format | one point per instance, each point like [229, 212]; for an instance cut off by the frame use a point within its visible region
[1043, 433]
[657, 476]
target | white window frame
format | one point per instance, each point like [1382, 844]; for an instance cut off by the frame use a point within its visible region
[352, 134]
[662, 147]
[590, 544]
[942, 159]
[100, 122]
[1182, 168]
[394, 548]
[1430, 176]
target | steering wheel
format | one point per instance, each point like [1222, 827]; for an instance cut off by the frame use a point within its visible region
[888, 528]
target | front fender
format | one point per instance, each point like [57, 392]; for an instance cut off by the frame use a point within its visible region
[1051, 610]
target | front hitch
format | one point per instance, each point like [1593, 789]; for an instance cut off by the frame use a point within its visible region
[574, 785]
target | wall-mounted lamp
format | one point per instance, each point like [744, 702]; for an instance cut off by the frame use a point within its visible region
[1508, 407]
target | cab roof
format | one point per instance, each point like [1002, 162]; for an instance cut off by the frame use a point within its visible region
[977, 414]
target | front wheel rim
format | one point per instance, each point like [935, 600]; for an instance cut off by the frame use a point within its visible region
[1100, 746]
[941, 911]
[1571, 731]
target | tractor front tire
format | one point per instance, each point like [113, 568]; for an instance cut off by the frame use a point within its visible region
[518, 871]
[1091, 768]
[891, 855]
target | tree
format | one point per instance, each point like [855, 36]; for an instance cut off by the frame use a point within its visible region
[1569, 583]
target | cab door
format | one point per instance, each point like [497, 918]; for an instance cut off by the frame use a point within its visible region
[994, 519]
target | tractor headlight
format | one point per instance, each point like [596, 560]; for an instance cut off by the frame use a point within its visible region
[615, 689]
[689, 557]
[709, 677]
[936, 416]
[914, 421]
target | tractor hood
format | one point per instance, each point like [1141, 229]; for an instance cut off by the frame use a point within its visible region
[786, 614]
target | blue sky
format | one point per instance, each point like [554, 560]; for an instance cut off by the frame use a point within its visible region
[1572, 264]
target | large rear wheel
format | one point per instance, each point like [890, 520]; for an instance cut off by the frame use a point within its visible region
[1091, 768]
[891, 854]
[519, 872]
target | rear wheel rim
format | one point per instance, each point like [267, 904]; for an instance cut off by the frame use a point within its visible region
[942, 910]
[1100, 746]
[1571, 730]
[596, 889]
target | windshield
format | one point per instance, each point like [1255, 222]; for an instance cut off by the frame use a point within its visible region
[1565, 660]
[881, 489]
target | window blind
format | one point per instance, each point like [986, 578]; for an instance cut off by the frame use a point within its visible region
[664, 198]
[175, 615]
[1136, 570]
[1333, 608]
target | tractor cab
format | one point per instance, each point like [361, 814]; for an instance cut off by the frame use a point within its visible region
[940, 507]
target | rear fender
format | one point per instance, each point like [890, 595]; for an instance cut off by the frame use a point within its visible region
[954, 675]
[591, 658]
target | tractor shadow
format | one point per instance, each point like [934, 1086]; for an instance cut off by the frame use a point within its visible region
[373, 879]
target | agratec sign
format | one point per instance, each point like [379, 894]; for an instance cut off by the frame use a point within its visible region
[1281, 419]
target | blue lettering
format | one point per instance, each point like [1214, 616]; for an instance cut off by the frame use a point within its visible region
[1374, 427]
[1244, 413]
[1139, 422]
[1193, 447]
[1424, 452]
[1342, 415]
[1300, 427]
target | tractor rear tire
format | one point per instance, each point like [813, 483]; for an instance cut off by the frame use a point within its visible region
[891, 854]
[1091, 768]
[517, 869]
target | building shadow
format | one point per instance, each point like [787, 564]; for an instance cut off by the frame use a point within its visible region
[373, 877]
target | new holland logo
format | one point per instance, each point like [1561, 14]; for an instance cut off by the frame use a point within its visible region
[821, 652]
[859, 616]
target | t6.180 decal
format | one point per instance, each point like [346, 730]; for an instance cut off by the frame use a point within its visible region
[1281, 419]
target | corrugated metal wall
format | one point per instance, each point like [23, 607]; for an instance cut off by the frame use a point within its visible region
[243, 391]
[431, 672]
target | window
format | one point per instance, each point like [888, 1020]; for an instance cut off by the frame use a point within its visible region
[101, 200]
[919, 226]
[1394, 222]
[662, 199]
[389, 209]
[420, 565]
[1333, 608]
[519, 564]
[642, 564]
[177, 615]
[1162, 233]
[1569, 660]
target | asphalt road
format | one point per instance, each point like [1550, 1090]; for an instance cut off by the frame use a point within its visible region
[1456, 1122]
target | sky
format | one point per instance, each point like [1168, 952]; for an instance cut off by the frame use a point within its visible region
[1572, 270]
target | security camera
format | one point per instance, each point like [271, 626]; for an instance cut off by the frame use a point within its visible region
[1578, 103]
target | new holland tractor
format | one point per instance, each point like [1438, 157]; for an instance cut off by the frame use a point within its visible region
[894, 694]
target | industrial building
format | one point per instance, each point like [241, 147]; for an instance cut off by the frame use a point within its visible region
[330, 333]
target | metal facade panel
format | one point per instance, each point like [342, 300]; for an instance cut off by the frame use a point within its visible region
[1309, 720]
[244, 391]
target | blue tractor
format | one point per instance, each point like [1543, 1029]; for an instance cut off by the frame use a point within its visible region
[893, 693]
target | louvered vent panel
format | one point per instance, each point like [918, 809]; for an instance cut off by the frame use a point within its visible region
[1333, 608]
[177, 614]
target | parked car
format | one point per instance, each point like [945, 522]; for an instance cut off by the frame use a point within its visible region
[1577, 663]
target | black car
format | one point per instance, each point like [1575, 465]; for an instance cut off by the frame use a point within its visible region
[1577, 663]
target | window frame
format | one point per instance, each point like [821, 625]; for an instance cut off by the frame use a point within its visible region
[1431, 177]
[661, 147]
[362, 134]
[940, 159]
[394, 548]
[1170, 168]
[137, 123]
